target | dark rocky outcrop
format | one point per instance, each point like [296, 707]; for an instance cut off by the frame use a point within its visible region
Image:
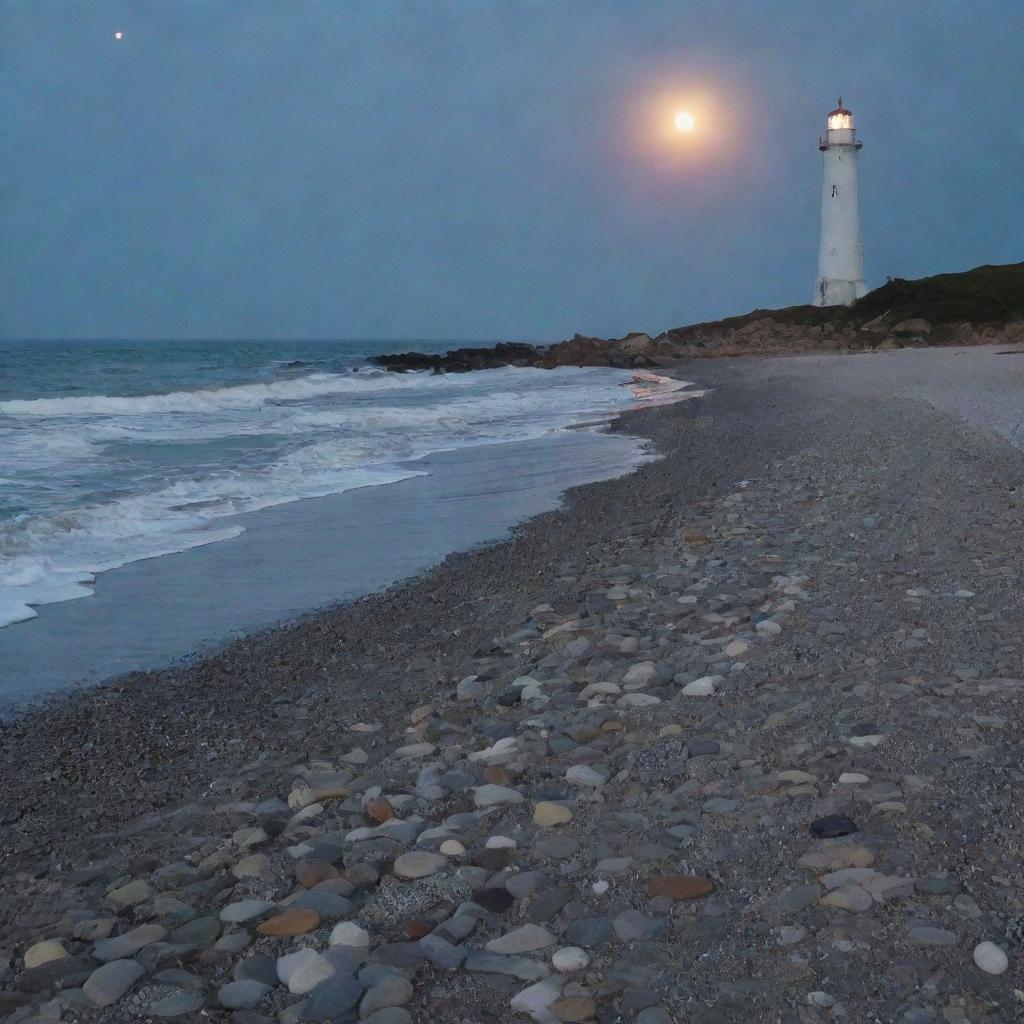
[976, 307]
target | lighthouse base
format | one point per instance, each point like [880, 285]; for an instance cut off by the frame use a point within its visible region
[835, 292]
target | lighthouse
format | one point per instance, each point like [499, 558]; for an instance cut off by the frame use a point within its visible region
[841, 257]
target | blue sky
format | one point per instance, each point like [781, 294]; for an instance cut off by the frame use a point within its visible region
[482, 168]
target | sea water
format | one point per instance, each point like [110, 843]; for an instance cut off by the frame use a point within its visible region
[115, 452]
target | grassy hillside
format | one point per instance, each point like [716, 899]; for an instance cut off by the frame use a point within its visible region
[989, 294]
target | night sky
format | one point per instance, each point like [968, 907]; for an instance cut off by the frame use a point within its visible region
[478, 169]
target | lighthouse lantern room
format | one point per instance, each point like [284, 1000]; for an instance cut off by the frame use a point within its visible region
[841, 256]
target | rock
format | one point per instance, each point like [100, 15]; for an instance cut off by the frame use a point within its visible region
[833, 826]
[452, 848]
[915, 325]
[414, 750]
[419, 865]
[242, 995]
[701, 746]
[768, 627]
[127, 945]
[245, 910]
[521, 967]
[990, 958]
[178, 1003]
[524, 939]
[64, 972]
[535, 1000]
[584, 775]
[442, 953]
[703, 687]
[497, 899]
[199, 932]
[111, 981]
[303, 970]
[853, 899]
[289, 923]
[589, 931]
[130, 895]
[332, 999]
[258, 967]
[395, 991]
[574, 1008]
[348, 933]
[43, 952]
[548, 814]
[924, 935]
[490, 795]
[639, 675]
[680, 887]
[570, 959]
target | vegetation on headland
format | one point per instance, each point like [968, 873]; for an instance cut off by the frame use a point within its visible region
[974, 307]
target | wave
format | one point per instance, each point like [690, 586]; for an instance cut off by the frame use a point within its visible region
[173, 502]
[241, 396]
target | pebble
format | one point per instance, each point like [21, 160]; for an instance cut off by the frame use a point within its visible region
[703, 687]
[570, 959]
[548, 815]
[419, 865]
[680, 887]
[242, 995]
[990, 958]
[524, 939]
[303, 970]
[108, 983]
[584, 775]
[348, 933]
[395, 991]
[924, 935]
[291, 922]
[44, 952]
[491, 795]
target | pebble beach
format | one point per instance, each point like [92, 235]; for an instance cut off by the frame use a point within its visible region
[730, 738]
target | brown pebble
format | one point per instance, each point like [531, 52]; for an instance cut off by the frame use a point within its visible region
[291, 922]
[379, 810]
[574, 1008]
[680, 887]
[417, 929]
[612, 726]
[497, 775]
[312, 872]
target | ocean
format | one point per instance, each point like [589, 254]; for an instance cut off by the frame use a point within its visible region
[117, 452]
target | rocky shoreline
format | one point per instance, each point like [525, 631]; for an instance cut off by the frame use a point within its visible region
[728, 739]
[983, 306]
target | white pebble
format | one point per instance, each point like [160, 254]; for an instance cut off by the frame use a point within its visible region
[500, 843]
[600, 887]
[570, 959]
[990, 958]
[452, 848]
[350, 934]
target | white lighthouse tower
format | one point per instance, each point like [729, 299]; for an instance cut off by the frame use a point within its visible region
[841, 259]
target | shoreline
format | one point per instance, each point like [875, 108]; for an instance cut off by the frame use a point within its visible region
[873, 507]
[297, 559]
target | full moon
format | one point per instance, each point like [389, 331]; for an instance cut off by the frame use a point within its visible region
[684, 121]
[119, 35]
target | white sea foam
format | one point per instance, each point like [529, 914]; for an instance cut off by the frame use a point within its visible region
[323, 434]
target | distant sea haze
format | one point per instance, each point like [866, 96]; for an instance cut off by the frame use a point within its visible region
[111, 452]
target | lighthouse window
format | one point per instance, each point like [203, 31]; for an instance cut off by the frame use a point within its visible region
[835, 191]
